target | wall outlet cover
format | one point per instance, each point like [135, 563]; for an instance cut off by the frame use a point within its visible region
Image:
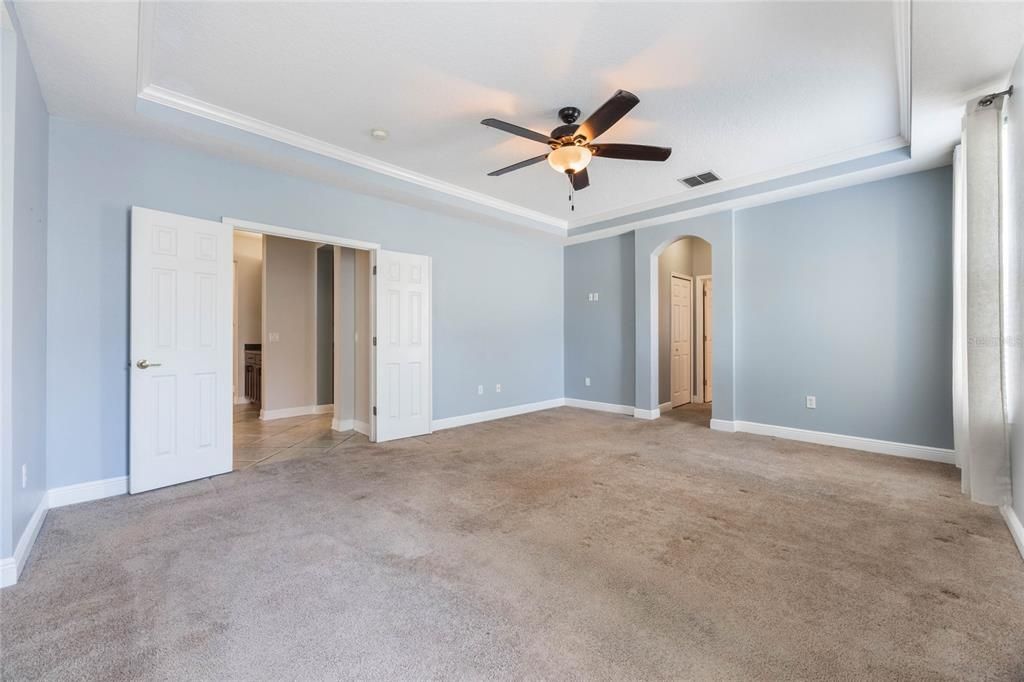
[587, 381]
[812, 402]
[480, 389]
[497, 388]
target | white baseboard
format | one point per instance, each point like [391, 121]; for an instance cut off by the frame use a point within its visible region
[500, 413]
[10, 567]
[882, 447]
[301, 411]
[343, 424]
[600, 407]
[665, 407]
[87, 492]
[723, 425]
[241, 400]
[646, 414]
[1014, 524]
[361, 427]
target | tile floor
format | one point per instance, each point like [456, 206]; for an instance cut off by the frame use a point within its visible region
[259, 442]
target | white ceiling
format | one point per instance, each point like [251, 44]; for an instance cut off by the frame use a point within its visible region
[745, 89]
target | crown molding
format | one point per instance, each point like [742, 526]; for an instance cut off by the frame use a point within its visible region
[902, 24]
[212, 112]
[859, 177]
[880, 147]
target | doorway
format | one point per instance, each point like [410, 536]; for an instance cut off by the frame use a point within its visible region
[296, 357]
[684, 328]
[183, 336]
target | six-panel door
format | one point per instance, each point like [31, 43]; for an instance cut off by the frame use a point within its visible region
[180, 371]
[403, 345]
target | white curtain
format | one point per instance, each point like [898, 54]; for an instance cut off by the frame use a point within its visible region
[985, 290]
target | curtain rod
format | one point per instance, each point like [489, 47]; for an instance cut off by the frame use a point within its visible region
[987, 100]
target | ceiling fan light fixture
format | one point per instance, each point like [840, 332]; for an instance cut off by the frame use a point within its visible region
[569, 159]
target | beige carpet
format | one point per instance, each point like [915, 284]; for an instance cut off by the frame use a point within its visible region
[561, 544]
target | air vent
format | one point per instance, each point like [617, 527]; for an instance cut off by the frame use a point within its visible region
[700, 179]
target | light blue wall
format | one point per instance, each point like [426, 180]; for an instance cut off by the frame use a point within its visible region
[1016, 163]
[599, 335]
[611, 340]
[846, 295]
[497, 292]
[29, 257]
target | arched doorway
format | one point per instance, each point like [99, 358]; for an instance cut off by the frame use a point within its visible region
[650, 241]
[685, 330]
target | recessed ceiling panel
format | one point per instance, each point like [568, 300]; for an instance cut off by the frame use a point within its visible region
[744, 88]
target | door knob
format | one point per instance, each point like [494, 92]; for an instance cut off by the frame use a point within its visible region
[146, 364]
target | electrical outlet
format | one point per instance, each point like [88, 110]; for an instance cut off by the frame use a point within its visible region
[497, 389]
[273, 337]
[597, 296]
[480, 389]
[24, 475]
[587, 381]
[812, 402]
[590, 297]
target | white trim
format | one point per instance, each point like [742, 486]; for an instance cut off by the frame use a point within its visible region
[8, 65]
[351, 425]
[843, 156]
[860, 177]
[902, 12]
[665, 407]
[212, 112]
[302, 235]
[724, 425]
[500, 413]
[599, 407]
[838, 440]
[241, 400]
[343, 424]
[1014, 524]
[301, 411]
[698, 354]
[646, 414]
[86, 492]
[10, 568]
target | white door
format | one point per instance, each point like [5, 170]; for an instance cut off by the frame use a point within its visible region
[181, 371]
[707, 341]
[681, 328]
[403, 395]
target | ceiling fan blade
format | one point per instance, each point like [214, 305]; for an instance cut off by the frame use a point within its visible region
[517, 166]
[608, 114]
[516, 130]
[636, 152]
[580, 180]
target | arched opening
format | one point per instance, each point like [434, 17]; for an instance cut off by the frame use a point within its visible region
[685, 330]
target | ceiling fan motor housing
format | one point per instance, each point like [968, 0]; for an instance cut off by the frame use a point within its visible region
[568, 116]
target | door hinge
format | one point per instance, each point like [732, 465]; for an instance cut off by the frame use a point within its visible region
[375, 340]
[375, 269]
[374, 410]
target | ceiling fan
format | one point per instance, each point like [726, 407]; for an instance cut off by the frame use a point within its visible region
[572, 146]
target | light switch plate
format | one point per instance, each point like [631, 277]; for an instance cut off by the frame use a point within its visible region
[812, 402]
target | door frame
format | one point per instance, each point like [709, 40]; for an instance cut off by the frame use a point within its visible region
[699, 281]
[690, 279]
[320, 238]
